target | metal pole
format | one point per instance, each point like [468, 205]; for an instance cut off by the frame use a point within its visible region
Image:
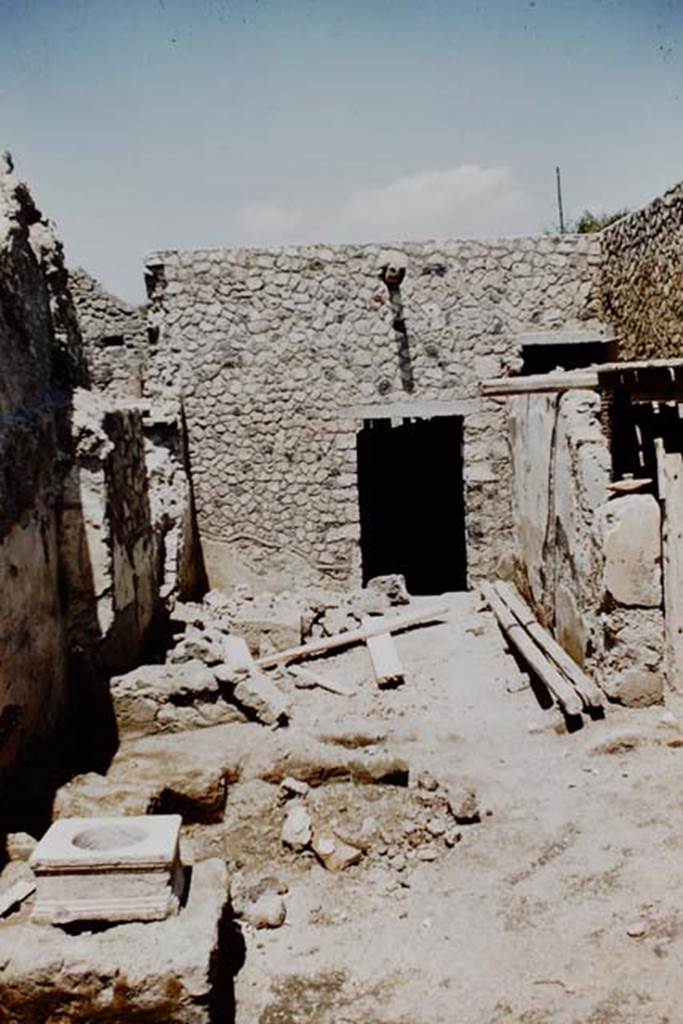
[559, 199]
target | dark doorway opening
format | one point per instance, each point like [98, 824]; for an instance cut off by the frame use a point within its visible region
[412, 509]
[568, 356]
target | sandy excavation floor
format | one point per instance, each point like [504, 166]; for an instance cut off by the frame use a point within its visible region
[564, 905]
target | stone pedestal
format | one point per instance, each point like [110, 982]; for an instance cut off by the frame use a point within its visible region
[108, 869]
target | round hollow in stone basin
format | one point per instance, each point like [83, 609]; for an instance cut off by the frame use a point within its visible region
[108, 837]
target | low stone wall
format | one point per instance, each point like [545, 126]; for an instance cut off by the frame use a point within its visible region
[642, 278]
[280, 355]
[590, 563]
[114, 336]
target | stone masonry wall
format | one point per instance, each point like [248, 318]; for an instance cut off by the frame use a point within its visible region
[642, 278]
[589, 562]
[114, 336]
[280, 355]
[31, 649]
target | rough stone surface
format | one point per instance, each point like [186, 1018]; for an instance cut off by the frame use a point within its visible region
[334, 853]
[641, 279]
[184, 773]
[268, 911]
[296, 829]
[169, 698]
[20, 845]
[633, 550]
[635, 687]
[274, 350]
[260, 698]
[173, 971]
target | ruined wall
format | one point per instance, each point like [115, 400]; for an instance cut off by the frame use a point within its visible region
[642, 278]
[126, 541]
[114, 336]
[31, 649]
[590, 562]
[107, 553]
[279, 355]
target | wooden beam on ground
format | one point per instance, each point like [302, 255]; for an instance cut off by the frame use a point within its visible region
[550, 676]
[591, 695]
[386, 663]
[313, 679]
[382, 624]
[670, 475]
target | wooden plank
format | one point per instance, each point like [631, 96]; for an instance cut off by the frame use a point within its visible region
[15, 895]
[591, 695]
[382, 624]
[670, 476]
[313, 679]
[385, 661]
[647, 380]
[552, 679]
[537, 383]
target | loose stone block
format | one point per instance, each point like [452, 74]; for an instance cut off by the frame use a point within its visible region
[108, 869]
[633, 550]
[635, 688]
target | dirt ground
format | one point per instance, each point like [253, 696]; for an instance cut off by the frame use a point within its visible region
[563, 905]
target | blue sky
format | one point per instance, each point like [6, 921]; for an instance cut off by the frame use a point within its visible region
[145, 124]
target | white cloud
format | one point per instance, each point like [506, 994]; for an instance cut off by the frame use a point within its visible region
[267, 222]
[464, 201]
[454, 202]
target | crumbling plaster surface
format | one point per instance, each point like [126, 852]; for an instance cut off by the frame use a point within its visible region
[31, 650]
[114, 336]
[590, 563]
[274, 350]
[642, 278]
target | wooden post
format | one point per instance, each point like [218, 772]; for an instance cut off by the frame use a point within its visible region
[670, 476]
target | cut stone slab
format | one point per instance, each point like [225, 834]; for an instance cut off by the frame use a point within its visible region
[631, 527]
[176, 971]
[108, 869]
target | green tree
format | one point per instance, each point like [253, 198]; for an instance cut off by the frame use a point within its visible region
[589, 222]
